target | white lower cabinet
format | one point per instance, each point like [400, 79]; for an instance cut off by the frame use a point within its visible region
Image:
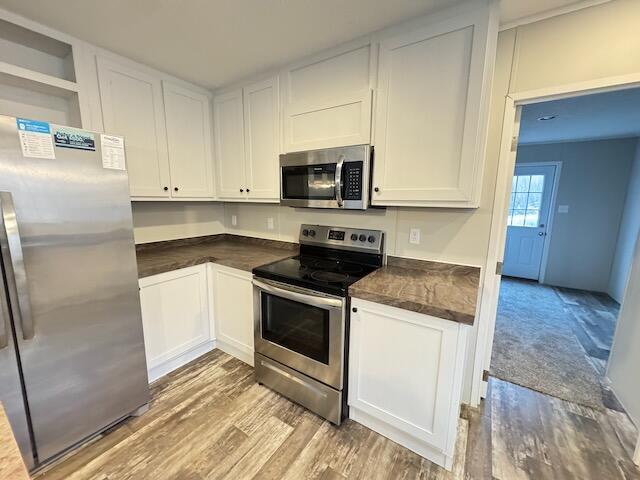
[233, 306]
[175, 317]
[405, 377]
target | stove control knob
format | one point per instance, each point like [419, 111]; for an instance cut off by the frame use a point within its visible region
[312, 233]
[362, 238]
[371, 239]
[305, 232]
[354, 237]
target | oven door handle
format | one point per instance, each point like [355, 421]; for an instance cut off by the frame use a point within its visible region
[299, 296]
[338, 184]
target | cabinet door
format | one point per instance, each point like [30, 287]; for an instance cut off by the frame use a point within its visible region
[228, 124]
[189, 142]
[432, 99]
[327, 100]
[402, 371]
[174, 313]
[233, 298]
[261, 133]
[132, 107]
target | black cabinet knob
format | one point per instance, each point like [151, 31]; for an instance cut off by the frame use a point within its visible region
[247, 190]
[175, 188]
[354, 309]
[166, 189]
[354, 237]
[376, 189]
[241, 190]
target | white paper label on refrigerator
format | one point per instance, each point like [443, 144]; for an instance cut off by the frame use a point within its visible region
[35, 139]
[113, 152]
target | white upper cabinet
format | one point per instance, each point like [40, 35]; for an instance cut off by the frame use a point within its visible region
[132, 107]
[247, 138]
[327, 100]
[262, 139]
[189, 142]
[431, 110]
[228, 126]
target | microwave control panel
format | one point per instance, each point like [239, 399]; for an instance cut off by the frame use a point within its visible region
[352, 173]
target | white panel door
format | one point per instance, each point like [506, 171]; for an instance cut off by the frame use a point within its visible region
[262, 139]
[429, 123]
[228, 124]
[402, 370]
[132, 107]
[189, 141]
[327, 100]
[233, 298]
[528, 220]
[174, 313]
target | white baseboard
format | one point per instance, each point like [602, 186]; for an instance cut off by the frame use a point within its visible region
[170, 365]
[423, 449]
[245, 356]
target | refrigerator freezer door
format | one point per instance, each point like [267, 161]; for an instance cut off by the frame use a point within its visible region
[10, 385]
[82, 352]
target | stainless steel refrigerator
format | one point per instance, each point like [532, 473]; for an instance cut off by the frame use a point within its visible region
[72, 358]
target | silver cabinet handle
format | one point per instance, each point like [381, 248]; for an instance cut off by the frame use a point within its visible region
[338, 185]
[13, 259]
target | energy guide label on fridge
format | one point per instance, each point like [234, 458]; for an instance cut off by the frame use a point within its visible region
[112, 152]
[35, 139]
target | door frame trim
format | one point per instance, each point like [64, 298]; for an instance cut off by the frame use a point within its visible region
[551, 214]
[506, 164]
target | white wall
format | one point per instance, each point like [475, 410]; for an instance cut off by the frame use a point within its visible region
[156, 221]
[593, 184]
[628, 234]
[625, 353]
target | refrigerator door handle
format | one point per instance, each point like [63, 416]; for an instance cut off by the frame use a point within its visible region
[4, 319]
[13, 259]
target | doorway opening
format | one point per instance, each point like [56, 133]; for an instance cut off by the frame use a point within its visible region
[572, 226]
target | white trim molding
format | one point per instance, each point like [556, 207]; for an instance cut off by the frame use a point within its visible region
[553, 12]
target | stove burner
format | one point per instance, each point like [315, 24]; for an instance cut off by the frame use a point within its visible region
[325, 264]
[329, 276]
[350, 268]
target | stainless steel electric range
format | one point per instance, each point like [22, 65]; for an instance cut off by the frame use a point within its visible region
[301, 307]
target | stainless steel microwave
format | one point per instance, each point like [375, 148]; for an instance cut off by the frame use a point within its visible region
[330, 178]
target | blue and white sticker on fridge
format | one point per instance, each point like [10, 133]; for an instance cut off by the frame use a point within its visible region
[35, 138]
[69, 137]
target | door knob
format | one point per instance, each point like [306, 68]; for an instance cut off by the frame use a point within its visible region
[540, 234]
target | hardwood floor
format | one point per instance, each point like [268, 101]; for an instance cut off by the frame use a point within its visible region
[210, 420]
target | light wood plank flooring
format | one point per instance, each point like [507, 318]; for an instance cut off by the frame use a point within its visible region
[210, 420]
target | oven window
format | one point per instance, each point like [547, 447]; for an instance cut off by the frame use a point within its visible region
[296, 326]
[313, 182]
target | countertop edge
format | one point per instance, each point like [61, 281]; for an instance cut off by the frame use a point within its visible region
[413, 306]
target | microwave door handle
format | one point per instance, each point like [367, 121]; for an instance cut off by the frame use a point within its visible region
[13, 259]
[338, 185]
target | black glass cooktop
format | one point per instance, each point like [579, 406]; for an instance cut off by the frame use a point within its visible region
[321, 273]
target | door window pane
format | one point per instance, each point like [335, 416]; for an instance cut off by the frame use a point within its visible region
[526, 201]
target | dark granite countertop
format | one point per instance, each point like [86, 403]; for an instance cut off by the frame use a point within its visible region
[243, 253]
[439, 289]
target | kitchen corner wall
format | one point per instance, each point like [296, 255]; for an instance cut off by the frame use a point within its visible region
[156, 221]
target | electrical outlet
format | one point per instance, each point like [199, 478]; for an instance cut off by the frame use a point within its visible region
[234, 220]
[414, 236]
[563, 208]
[270, 223]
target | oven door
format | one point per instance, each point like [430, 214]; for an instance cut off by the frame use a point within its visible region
[301, 329]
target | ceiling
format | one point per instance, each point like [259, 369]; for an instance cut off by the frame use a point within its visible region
[214, 42]
[589, 117]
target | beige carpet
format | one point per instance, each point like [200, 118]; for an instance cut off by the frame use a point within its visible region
[534, 345]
